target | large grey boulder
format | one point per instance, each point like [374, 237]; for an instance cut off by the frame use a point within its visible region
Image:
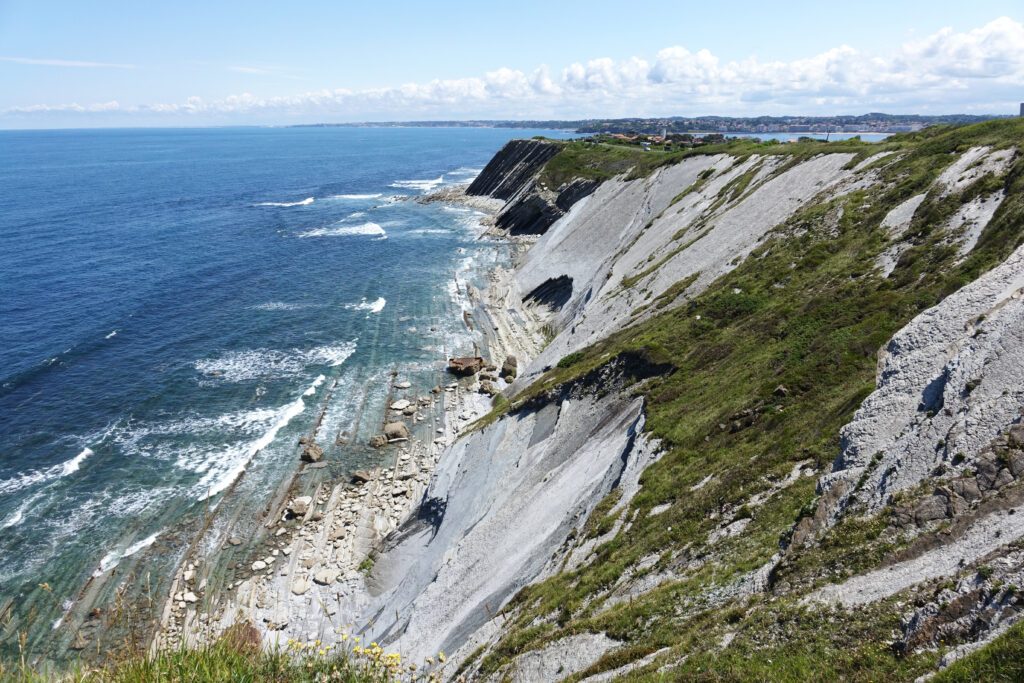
[396, 430]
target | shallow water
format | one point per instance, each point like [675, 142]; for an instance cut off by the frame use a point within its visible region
[176, 305]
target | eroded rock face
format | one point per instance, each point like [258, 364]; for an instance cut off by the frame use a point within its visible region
[949, 383]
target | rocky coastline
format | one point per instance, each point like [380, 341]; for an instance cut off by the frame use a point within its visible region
[311, 562]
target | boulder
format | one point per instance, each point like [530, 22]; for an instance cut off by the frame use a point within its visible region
[509, 379]
[929, 509]
[362, 476]
[400, 404]
[300, 586]
[312, 453]
[465, 366]
[325, 576]
[378, 441]
[300, 506]
[259, 565]
[190, 597]
[402, 385]
[510, 367]
[409, 411]
[487, 388]
[303, 440]
[396, 430]
[1016, 435]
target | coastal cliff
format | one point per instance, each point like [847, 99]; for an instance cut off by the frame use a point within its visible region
[764, 422]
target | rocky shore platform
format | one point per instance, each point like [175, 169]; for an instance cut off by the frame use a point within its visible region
[300, 568]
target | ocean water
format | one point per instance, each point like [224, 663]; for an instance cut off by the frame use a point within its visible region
[178, 306]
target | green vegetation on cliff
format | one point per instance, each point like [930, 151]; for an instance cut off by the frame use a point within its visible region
[769, 362]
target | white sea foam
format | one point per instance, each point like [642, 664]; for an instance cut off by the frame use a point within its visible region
[113, 558]
[242, 366]
[346, 231]
[429, 231]
[112, 334]
[305, 202]
[280, 306]
[378, 195]
[375, 306]
[234, 462]
[27, 479]
[422, 185]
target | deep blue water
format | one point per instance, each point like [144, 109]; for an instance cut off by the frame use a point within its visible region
[174, 303]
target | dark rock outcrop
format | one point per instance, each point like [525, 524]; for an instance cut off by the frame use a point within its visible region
[517, 164]
[553, 293]
[312, 453]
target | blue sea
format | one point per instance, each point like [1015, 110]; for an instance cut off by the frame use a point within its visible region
[178, 306]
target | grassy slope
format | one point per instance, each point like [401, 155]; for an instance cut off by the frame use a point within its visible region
[810, 315]
[1002, 661]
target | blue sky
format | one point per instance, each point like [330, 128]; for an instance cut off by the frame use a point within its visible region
[202, 63]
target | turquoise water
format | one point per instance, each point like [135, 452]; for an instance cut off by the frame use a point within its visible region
[176, 306]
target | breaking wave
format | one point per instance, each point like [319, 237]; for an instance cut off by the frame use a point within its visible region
[40, 476]
[346, 230]
[377, 195]
[422, 185]
[305, 202]
[112, 559]
[372, 306]
[242, 366]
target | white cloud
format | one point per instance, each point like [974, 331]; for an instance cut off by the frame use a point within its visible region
[978, 70]
[65, 63]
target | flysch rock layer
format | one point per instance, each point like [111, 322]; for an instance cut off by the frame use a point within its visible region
[631, 229]
[948, 383]
[502, 500]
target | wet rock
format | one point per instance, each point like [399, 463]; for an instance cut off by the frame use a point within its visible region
[402, 385]
[312, 453]
[378, 441]
[396, 430]
[510, 367]
[436, 390]
[410, 411]
[465, 366]
[303, 440]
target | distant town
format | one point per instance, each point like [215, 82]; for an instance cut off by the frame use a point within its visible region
[865, 123]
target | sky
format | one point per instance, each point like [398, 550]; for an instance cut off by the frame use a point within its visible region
[186, 63]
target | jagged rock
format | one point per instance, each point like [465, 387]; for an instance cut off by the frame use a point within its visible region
[929, 509]
[378, 441]
[396, 430]
[400, 404]
[312, 453]
[1015, 435]
[1016, 463]
[510, 367]
[966, 489]
[465, 366]
[986, 471]
[300, 506]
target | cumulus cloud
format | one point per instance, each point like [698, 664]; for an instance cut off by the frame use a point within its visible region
[978, 69]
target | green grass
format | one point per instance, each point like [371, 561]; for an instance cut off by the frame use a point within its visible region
[238, 658]
[808, 311]
[1001, 661]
